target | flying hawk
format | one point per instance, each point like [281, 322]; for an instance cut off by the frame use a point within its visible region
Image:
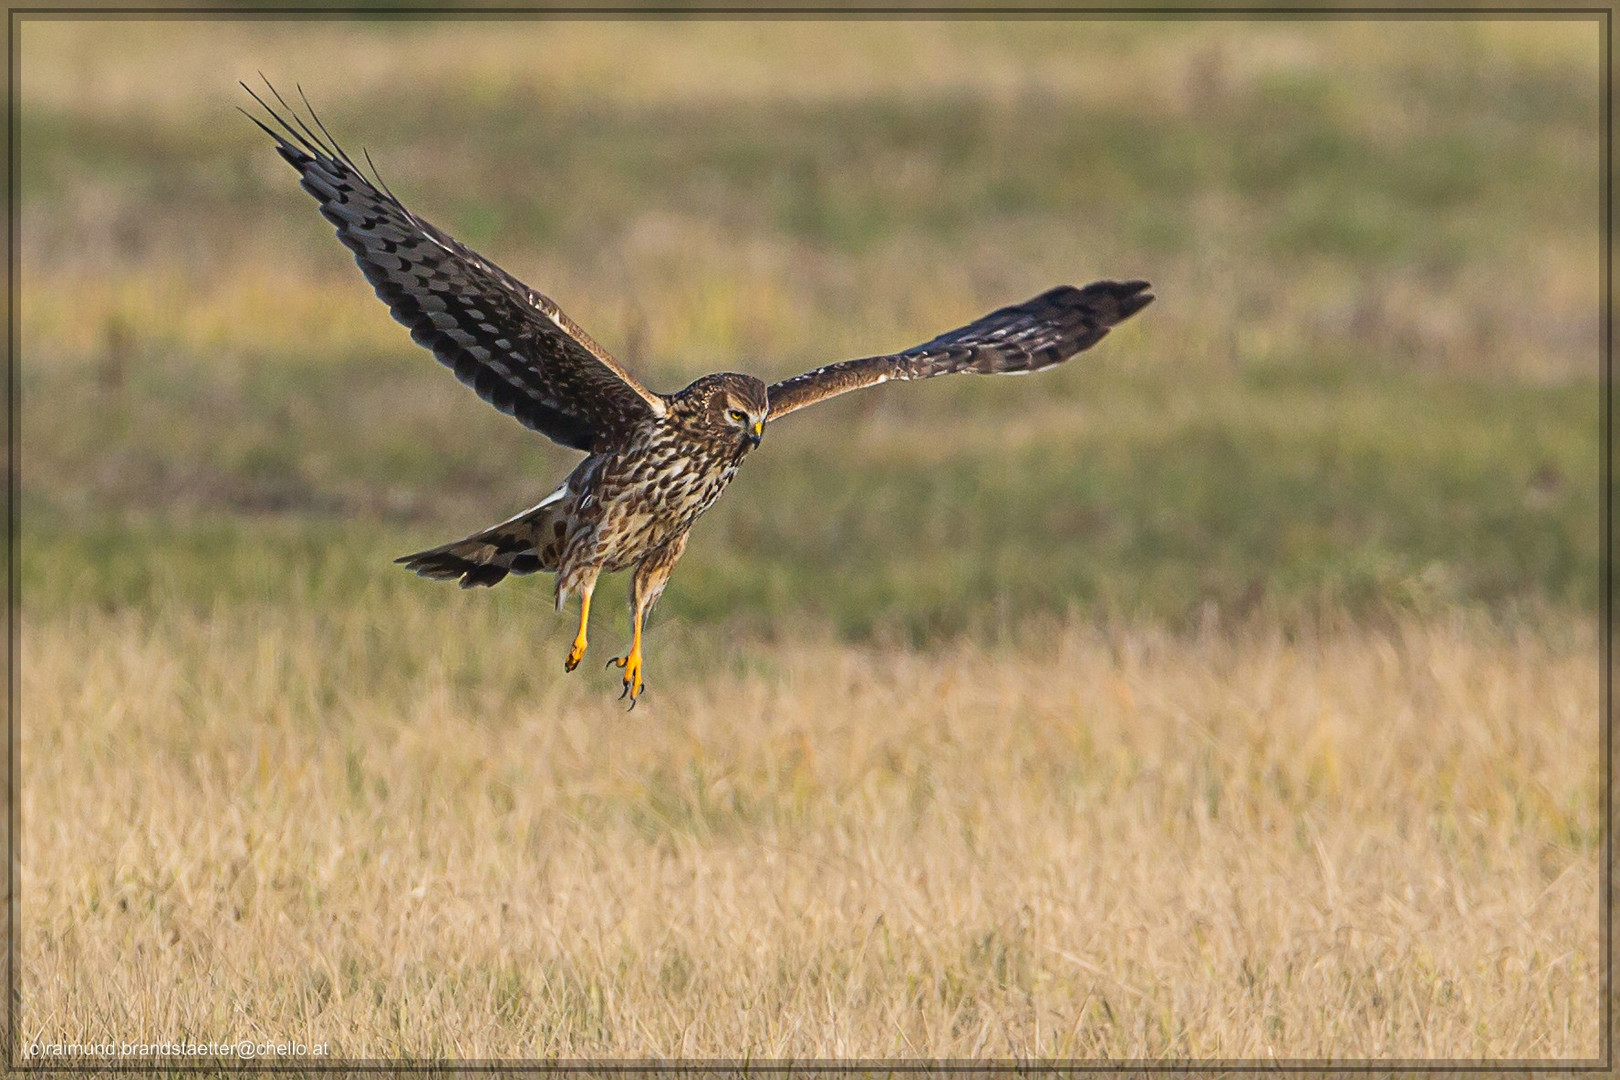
[655, 462]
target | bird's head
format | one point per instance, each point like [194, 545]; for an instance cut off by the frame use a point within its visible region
[728, 405]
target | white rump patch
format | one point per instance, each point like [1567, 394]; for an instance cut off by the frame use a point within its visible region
[556, 496]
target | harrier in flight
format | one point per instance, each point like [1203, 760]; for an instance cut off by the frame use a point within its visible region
[654, 461]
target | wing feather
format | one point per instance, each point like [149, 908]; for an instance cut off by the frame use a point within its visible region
[1031, 336]
[511, 344]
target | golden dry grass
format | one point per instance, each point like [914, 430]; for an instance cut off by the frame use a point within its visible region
[397, 830]
[713, 274]
[1162, 66]
[271, 789]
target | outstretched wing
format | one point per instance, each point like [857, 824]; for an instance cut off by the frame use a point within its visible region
[505, 340]
[1025, 337]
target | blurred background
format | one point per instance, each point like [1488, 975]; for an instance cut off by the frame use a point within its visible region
[1227, 692]
[1370, 379]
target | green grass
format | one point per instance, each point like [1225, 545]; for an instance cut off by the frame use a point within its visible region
[1310, 176]
[1267, 490]
[1257, 703]
[1368, 383]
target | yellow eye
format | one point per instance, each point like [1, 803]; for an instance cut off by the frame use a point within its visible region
[738, 415]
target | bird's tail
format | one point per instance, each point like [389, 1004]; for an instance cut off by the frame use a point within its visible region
[521, 545]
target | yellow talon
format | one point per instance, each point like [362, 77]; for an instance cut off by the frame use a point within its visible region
[632, 663]
[632, 674]
[577, 653]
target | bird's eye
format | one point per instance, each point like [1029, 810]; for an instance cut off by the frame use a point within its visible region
[738, 415]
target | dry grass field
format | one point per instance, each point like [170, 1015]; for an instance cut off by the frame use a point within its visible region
[1231, 693]
[1093, 843]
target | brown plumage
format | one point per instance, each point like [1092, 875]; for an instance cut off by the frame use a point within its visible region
[655, 462]
[1015, 340]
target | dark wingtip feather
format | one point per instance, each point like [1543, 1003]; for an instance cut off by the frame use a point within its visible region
[299, 143]
[1110, 302]
[286, 149]
[1133, 298]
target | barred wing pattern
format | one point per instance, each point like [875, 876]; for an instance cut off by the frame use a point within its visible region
[1026, 337]
[505, 340]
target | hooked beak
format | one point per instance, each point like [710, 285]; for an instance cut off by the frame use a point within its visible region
[758, 433]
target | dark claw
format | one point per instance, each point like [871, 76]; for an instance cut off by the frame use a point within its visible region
[625, 691]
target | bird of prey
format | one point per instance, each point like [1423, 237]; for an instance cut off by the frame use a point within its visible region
[654, 462]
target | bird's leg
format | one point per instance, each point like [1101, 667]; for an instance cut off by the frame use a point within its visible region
[632, 663]
[646, 586]
[577, 653]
